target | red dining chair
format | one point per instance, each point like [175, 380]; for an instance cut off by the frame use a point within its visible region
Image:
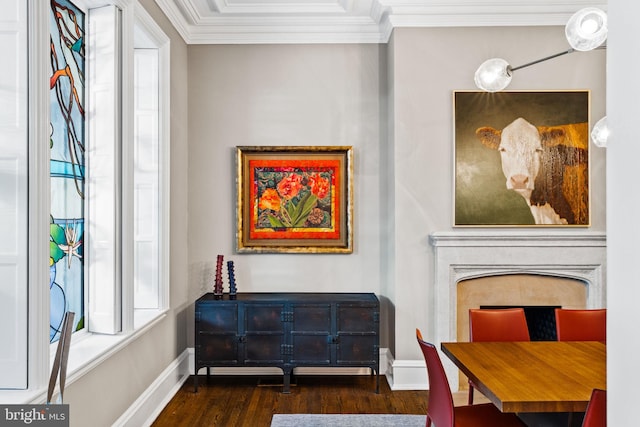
[596, 414]
[581, 325]
[440, 409]
[504, 324]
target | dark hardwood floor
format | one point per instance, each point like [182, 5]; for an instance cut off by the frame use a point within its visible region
[251, 401]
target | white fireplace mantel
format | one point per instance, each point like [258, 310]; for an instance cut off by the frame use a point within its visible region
[461, 255]
[520, 238]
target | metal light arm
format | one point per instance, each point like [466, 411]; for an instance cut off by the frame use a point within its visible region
[546, 58]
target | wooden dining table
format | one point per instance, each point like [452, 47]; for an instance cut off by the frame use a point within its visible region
[537, 376]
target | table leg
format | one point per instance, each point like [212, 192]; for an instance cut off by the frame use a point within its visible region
[286, 388]
[377, 374]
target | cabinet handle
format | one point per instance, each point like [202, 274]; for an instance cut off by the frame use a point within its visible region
[286, 349]
[242, 338]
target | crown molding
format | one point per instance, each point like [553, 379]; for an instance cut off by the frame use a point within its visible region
[350, 21]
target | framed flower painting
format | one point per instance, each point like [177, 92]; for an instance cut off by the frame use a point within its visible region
[294, 199]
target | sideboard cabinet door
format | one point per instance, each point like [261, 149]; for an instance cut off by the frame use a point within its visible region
[217, 328]
[311, 334]
[264, 334]
[357, 335]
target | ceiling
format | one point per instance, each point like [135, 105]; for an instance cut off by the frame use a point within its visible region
[350, 21]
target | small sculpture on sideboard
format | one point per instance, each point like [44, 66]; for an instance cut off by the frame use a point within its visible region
[217, 287]
[232, 281]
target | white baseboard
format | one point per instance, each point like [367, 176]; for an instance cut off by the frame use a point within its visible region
[146, 408]
[407, 375]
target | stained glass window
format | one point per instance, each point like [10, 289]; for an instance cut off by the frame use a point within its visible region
[67, 145]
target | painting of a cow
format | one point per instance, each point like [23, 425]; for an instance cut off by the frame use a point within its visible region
[547, 166]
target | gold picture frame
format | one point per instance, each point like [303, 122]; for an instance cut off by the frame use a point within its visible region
[501, 179]
[294, 199]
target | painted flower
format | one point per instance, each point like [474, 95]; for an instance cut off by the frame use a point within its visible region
[290, 186]
[72, 244]
[316, 216]
[270, 200]
[319, 185]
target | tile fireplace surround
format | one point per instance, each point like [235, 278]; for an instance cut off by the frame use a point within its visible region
[468, 255]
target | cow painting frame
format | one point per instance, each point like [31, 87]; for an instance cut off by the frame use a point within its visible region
[546, 184]
[294, 199]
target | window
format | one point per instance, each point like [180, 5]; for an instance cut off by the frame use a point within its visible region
[151, 169]
[119, 234]
[128, 207]
[67, 165]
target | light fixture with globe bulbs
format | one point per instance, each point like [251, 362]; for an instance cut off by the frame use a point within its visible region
[495, 74]
[586, 30]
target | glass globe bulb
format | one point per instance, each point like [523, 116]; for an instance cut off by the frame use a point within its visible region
[600, 132]
[493, 75]
[587, 29]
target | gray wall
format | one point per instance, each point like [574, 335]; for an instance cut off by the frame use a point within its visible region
[393, 103]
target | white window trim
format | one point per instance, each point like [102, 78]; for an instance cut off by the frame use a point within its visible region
[39, 199]
[159, 39]
[88, 350]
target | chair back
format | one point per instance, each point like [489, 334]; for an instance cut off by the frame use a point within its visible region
[504, 324]
[596, 414]
[581, 325]
[440, 403]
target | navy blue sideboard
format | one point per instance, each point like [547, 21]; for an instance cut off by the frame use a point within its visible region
[288, 330]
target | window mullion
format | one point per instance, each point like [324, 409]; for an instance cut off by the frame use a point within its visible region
[127, 175]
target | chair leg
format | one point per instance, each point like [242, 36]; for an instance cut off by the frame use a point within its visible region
[428, 421]
[470, 393]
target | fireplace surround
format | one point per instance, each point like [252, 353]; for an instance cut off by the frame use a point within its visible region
[460, 256]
